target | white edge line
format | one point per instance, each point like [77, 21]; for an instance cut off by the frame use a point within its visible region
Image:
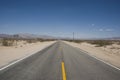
[97, 58]
[21, 59]
[100, 60]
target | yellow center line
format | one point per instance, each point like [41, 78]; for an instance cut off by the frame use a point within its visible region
[63, 71]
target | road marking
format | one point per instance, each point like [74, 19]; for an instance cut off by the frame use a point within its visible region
[63, 71]
[22, 58]
[106, 62]
[15, 62]
[100, 60]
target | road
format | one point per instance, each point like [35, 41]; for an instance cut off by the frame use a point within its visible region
[47, 65]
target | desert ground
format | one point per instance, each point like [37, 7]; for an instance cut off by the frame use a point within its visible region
[9, 54]
[109, 54]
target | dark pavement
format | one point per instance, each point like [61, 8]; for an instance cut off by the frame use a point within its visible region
[46, 65]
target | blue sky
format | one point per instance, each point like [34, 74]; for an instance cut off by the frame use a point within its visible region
[87, 18]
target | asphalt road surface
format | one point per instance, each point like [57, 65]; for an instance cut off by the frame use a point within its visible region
[46, 65]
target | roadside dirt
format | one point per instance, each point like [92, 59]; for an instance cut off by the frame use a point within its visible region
[12, 53]
[110, 54]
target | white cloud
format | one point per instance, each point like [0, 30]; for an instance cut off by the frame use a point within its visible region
[93, 24]
[109, 30]
[101, 30]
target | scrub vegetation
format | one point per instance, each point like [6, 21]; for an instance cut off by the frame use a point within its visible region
[13, 42]
[98, 43]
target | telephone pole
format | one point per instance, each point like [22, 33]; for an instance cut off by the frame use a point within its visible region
[73, 36]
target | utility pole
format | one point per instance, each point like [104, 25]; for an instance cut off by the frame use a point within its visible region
[73, 36]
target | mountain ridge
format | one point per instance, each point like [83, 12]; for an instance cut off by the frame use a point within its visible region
[26, 36]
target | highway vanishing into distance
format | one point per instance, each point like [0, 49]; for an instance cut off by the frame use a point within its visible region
[60, 61]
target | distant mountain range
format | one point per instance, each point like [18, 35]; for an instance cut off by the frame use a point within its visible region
[113, 38]
[26, 36]
[34, 36]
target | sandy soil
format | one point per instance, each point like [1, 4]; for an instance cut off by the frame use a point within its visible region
[110, 54]
[10, 54]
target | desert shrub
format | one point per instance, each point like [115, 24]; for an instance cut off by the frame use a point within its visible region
[100, 43]
[31, 41]
[79, 41]
[7, 42]
[42, 40]
[118, 42]
[76, 41]
[0, 42]
[70, 40]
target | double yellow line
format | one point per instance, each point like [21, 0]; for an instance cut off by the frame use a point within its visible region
[63, 71]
